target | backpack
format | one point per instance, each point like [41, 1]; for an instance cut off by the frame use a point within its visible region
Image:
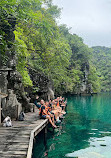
[21, 116]
[7, 122]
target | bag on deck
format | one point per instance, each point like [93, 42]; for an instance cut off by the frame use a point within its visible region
[7, 122]
[21, 116]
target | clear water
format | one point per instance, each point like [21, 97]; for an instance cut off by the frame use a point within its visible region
[84, 133]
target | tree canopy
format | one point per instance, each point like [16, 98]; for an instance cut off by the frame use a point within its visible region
[102, 61]
[44, 45]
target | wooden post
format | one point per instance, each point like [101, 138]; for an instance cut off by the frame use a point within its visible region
[45, 135]
[17, 112]
[33, 107]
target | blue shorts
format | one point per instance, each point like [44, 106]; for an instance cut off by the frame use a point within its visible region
[43, 117]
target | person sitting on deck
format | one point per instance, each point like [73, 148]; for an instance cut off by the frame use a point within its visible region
[49, 107]
[58, 106]
[54, 113]
[48, 110]
[52, 109]
[62, 103]
[44, 114]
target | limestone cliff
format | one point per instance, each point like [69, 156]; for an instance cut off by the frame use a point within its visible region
[41, 85]
[84, 87]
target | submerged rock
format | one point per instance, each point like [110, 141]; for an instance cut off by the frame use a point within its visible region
[102, 145]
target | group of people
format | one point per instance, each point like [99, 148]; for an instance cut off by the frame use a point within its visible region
[52, 110]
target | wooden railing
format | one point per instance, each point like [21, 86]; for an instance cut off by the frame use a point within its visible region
[34, 132]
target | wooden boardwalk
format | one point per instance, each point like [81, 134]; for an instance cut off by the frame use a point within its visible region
[17, 141]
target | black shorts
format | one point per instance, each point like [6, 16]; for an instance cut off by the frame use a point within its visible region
[43, 117]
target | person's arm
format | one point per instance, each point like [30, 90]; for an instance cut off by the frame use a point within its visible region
[38, 105]
[37, 97]
[44, 112]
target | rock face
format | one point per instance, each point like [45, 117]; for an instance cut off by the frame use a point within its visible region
[50, 94]
[45, 87]
[17, 101]
[7, 68]
[15, 83]
[3, 81]
[12, 107]
[85, 86]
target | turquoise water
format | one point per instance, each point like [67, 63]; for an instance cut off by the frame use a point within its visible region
[84, 133]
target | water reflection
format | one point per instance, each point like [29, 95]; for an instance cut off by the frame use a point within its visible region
[99, 148]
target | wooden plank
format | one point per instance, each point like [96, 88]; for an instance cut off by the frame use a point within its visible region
[29, 153]
[17, 141]
[12, 156]
[15, 152]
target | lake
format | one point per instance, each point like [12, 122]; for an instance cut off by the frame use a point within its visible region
[84, 133]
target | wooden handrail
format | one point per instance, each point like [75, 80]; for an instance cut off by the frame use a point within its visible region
[32, 135]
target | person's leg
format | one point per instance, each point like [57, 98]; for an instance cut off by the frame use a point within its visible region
[56, 113]
[59, 109]
[63, 112]
[59, 113]
[52, 118]
[63, 107]
[49, 118]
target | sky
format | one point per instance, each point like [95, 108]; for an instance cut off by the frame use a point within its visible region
[89, 19]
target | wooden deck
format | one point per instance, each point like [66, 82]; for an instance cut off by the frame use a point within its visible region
[17, 141]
